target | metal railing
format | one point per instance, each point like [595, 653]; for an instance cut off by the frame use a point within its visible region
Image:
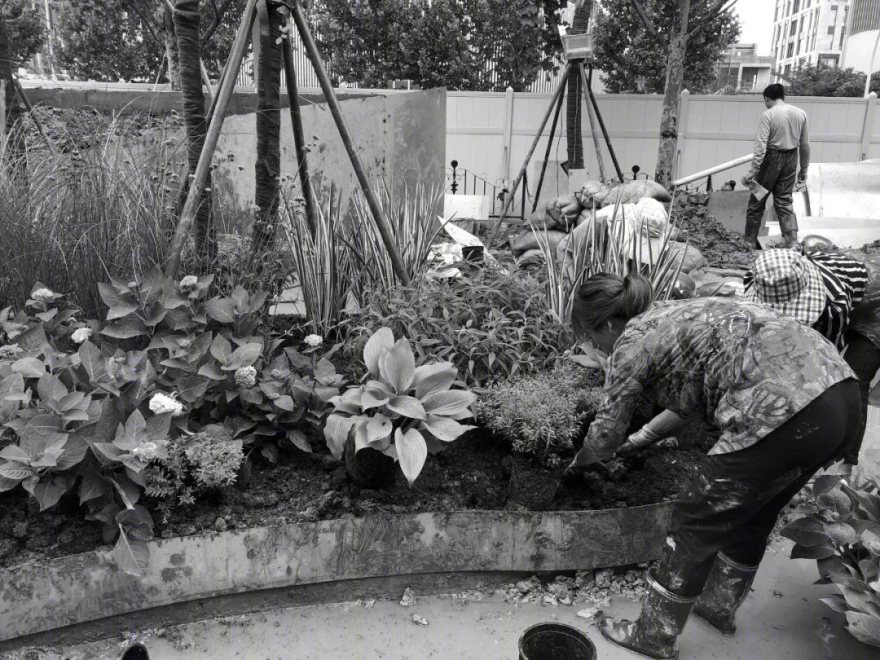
[468, 183]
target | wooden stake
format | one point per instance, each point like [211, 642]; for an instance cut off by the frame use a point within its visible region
[2, 111]
[592, 117]
[522, 172]
[547, 152]
[298, 136]
[37, 122]
[335, 110]
[207, 80]
[187, 217]
[602, 126]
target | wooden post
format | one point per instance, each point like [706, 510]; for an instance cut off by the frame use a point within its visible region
[336, 111]
[589, 88]
[868, 125]
[684, 107]
[522, 172]
[2, 111]
[37, 122]
[547, 152]
[302, 167]
[592, 116]
[184, 224]
[508, 133]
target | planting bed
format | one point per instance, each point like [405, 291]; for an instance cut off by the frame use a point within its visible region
[472, 474]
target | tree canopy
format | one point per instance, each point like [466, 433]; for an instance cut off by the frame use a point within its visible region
[825, 80]
[26, 29]
[629, 54]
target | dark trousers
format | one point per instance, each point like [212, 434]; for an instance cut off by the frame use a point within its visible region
[863, 357]
[778, 174]
[733, 506]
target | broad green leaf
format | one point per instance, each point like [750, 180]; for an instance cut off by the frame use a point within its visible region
[93, 486]
[285, 402]
[29, 367]
[151, 285]
[157, 428]
[8, 484]
[92, 361]
[221, 349]
[452, 402]
[350, 401]
[407, 406]
[126, 329]
[812, 552]
[270, 453]
[14, 453]
[119, 306]
[835, 501]
[73, 400]
[299, 440]
[426, 370]
[373, 432]
[411, 453]
[806, 531]
[221, 309]
[336, 430]
[841, 533]
[192, 388]
[444, 428]
[130, 555]
[14, 470]
[440, 381]
[47, 493]
[825, 482]
[398, 366]
[244, 356]
[835, 602]
[380, 343]
[49, 387]
[870, 539]
[108, 450]
[74, 452]
[177, 363]
[212, 371]
[864, 627]
[373, 397]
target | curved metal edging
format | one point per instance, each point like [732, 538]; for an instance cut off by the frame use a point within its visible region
[70, 590]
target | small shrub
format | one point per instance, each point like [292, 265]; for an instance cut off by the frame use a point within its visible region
[542, 414]
[840, 528]
[490, 323]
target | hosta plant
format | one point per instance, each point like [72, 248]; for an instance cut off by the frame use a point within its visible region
[402, 411]
[840, 528]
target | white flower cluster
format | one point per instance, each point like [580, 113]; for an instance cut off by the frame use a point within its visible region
[314, 340]
[246, 377]
[80, 335]
[162, 403]
[146, 452]
[10, 351]
[188, 282]
[42, 294]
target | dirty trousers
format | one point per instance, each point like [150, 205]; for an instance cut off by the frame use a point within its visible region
[733, 505]
[863, 357]
[778, 174]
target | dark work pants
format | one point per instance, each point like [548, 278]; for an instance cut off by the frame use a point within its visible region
[778, 174]
[863, 357]
[733, 506]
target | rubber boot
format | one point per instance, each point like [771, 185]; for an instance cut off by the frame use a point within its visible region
[136, 652]
[726, 589]
[655, 633]
[790, 241]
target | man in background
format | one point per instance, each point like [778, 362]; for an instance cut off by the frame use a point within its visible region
[783, 139]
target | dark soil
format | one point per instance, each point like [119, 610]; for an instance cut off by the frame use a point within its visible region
[472, 474]
[721, 247]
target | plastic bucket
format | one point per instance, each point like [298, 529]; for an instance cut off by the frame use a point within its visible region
[555, 641]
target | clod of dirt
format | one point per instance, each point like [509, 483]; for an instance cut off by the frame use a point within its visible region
[721, 247]
[584, 587]
[409, 598]
[419, 620]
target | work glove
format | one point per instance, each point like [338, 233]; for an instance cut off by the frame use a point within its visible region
[584, 458]
[747, 180]
[638, 440]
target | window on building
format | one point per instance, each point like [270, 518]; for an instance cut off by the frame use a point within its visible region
[793, 29]
[831, 30]
[787, 69]
[795, 8]
[790, 49]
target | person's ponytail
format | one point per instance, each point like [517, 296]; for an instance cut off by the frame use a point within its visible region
[605, 296]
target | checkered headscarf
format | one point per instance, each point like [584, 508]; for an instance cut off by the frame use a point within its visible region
[789, 283]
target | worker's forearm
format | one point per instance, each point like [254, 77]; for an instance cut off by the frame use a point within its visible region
[664, 424]
[805, 157]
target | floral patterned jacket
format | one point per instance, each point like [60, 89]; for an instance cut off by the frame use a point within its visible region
[739, 364]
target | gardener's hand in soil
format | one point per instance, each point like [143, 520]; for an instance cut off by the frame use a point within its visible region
[642, 438]
[584, 458]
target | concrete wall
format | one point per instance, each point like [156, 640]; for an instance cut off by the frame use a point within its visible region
[857, 51]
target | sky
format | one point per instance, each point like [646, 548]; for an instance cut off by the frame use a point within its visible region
[756, 21]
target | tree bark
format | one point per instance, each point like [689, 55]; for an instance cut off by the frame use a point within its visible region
[574, 104]
[268, 167]
[171, 52]
[186, 25]
[674, 83]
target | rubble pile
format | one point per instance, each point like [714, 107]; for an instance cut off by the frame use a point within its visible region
[595, 588]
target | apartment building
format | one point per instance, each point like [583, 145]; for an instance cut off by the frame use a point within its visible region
[808, 32]
[861, 43]
[743, 70]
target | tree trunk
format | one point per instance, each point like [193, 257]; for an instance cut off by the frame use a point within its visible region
[268, 167]
[674, 83]
[574, 104]
[186, 25]
[171, 53]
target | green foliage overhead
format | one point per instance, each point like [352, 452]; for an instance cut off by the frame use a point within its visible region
[627, 52]
[27, 33]
[824, 80]
[442, 43]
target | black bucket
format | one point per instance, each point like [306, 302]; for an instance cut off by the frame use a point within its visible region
[555, 641]
[472, 253]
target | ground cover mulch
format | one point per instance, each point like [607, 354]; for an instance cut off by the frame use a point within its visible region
[721, 247]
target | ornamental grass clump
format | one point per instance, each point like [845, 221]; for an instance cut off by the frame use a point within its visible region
[542, 415]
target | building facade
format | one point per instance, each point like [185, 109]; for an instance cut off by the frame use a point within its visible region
[743, 70]
[808, 32]
[861, 36]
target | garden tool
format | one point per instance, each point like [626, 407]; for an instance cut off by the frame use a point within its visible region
[726, 588]
[655, 633]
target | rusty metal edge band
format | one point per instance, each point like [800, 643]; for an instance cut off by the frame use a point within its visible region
[44, 596]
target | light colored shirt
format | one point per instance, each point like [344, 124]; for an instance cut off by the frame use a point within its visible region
[738, 364]
[782, 127]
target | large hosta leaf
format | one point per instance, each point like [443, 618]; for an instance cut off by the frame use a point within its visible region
[806, 531]
[453, 402]
[130, 554]
[440, 381]
[336, 430]
[411, 453]
[407, 406]
[375, 395]
[399, 366]
[427, 370]
[349, 402]
[444, 428]
[373, 432]
[380, 343]
[864, 627]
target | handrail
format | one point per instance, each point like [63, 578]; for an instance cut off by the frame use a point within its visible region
[729, 165]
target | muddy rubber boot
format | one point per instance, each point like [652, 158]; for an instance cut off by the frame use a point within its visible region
[726, 589]
[655, 633]
[136, 652]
